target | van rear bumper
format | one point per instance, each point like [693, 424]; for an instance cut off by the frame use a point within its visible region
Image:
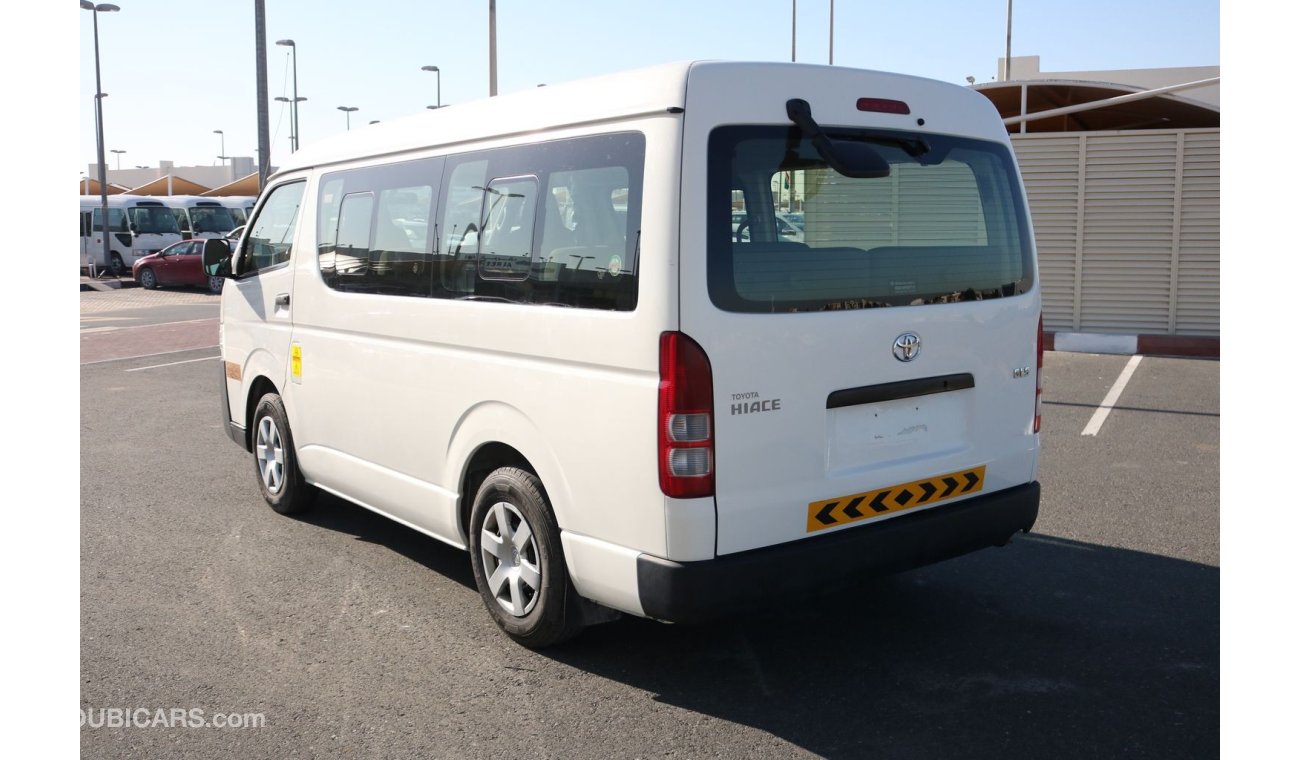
[691, 592]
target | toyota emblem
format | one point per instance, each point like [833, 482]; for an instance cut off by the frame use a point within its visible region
[907, 347]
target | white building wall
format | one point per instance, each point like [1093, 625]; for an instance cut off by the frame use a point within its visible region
[1127, 227]
[208, 176]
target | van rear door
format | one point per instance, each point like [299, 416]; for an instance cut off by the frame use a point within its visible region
[882, 359]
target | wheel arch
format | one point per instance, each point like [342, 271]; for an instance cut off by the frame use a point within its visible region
[260, 386]
[493, 435]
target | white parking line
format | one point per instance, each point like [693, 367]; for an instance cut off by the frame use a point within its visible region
[172, 364]
[145, 356]
[1099, 416]
[85, 330]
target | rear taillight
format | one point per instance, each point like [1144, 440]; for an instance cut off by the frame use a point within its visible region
[1038, 378]
[685, 418]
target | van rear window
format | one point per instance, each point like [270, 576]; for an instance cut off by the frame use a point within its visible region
[787, 233]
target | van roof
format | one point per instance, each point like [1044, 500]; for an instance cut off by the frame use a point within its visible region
[614, 96]
[649, 90]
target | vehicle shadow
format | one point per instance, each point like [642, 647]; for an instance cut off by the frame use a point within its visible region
[1045, 648]
[341, 516]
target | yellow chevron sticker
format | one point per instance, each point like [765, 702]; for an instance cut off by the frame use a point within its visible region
[864, 506]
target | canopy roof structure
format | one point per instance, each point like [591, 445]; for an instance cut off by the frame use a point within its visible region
[246, 185]
[169, 185]
[91, 187]
[1167, 111]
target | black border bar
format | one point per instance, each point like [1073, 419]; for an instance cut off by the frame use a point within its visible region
[924, 386]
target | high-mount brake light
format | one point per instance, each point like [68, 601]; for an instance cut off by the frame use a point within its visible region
[685, 418]
[883, 105]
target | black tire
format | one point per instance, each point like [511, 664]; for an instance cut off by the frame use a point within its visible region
[215, 284]
[116, 265]
[548, 613]
[148, 279]
[276, 461]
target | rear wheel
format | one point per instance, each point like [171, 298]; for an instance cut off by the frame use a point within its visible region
[215, 283]
[148, 279]
[276, 461]
[519, 563]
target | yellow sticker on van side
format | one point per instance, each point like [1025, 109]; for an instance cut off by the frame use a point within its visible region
[295, 361]
[864, 506]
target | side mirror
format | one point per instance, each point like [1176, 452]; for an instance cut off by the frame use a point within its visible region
[216, 257]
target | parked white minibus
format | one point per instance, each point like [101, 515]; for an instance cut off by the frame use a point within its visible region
[240, 206]
[138, 225]
[528, 327]
[201, 217]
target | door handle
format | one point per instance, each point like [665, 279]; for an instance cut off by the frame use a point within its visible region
[282, 301]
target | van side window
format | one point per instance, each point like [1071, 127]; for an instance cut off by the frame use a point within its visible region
[555, 223]
[506, 242]
[461, 216]
[373, 228]
[352, 241]
[116, 220]
[269, 239]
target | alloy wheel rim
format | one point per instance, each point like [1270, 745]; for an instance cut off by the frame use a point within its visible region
[270, 455]
[510, 559]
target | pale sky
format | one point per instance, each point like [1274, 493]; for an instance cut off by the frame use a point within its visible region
[164, 58]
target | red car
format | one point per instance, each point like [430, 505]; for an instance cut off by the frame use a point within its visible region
[177, 264]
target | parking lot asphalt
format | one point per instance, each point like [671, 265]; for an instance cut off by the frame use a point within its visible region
[1095, 636]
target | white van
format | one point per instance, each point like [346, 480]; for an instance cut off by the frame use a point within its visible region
[140, 225]
[528, 327]
[202, 217]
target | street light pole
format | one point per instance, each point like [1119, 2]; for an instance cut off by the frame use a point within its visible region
[119, 157]
[223, 145]
[95, 10]
[794, 19]
[492, 48]
[435, 70]
[293, 115]
[1006, 71]
[263, 106]
[832, 44]
[293, 120]
[348, 111]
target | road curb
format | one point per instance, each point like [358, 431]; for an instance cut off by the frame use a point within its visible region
[1126, 345]
[106, 284]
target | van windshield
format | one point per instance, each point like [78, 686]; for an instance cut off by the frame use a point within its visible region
[153, 220]
[212, 219]
[786, 233]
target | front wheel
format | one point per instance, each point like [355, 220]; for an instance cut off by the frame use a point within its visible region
[148, 279]
[519, 563]
[278, 476]
[116, 265]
